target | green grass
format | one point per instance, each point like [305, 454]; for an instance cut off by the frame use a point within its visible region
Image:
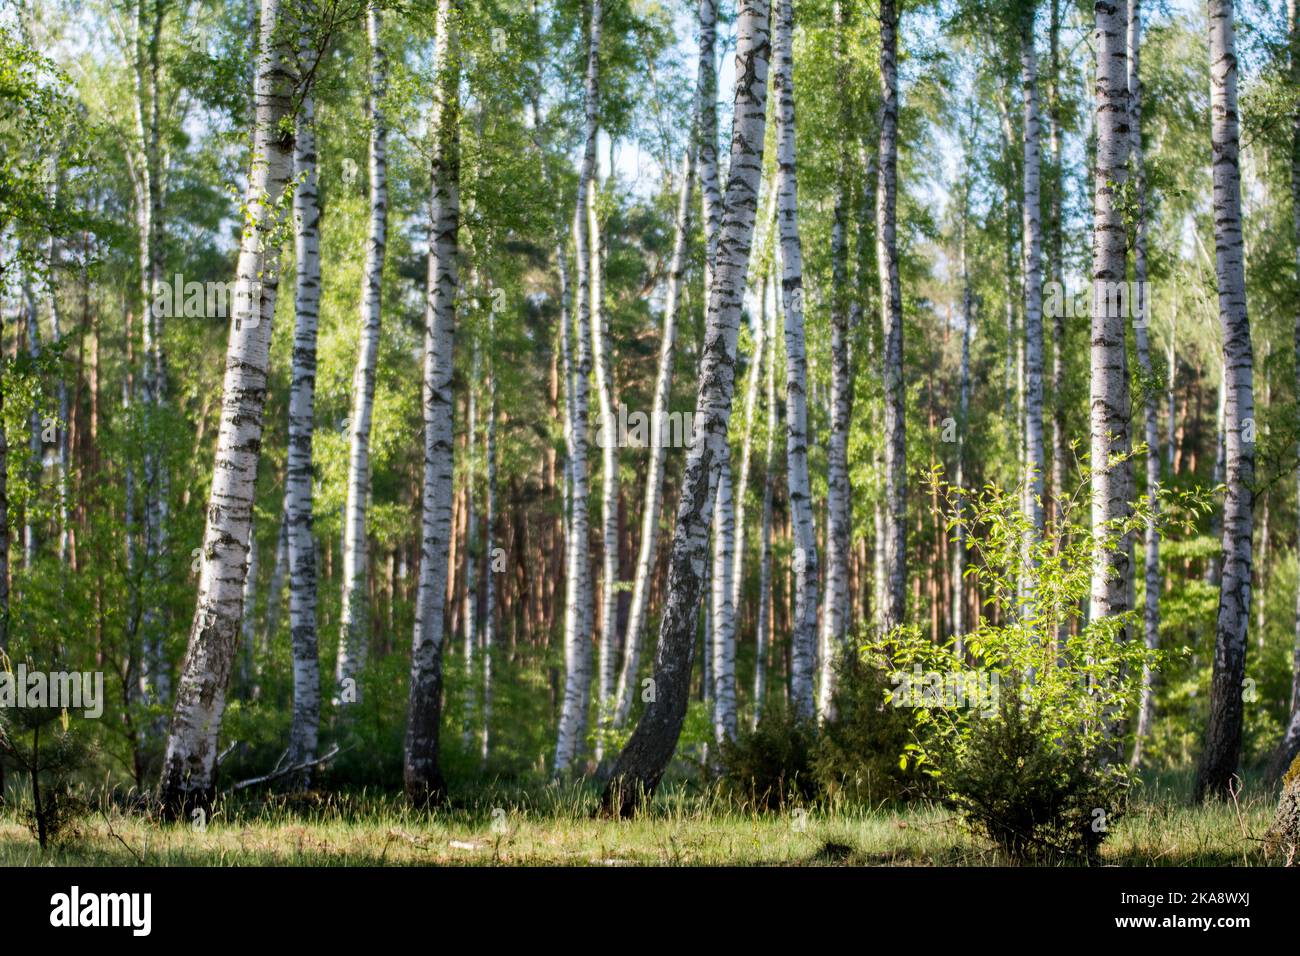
[555, 825]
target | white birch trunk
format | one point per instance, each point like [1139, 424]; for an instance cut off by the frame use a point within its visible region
[769, 485]
[577, 611]
[642, 762]
[891, 303]
[1108, 395]
[1151, 537]
[189, 764]
[305, 722]
[1032, 239]
[723, 646]
[353, 617]
[803, 639]
[603, 348]
[839, 518]
[1222, 751]
[421, 774]
[489, 520]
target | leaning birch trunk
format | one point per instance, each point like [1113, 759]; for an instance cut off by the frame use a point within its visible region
[189, 764]
[577, 613]
[1108, 393]
[602, 349]
[304, 725]
[1140, 303]
[723, 644]
[421, 774]
[839, 518]
[641, 764]
[353, 617]
[803, 637]
[654, 482]
[1219, 759]
[769, 486]
[894, 555]
[746, 459]
[710, 190]
[1032, 240]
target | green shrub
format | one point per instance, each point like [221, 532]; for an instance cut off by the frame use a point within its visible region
[771, 765]
[1030, 793]
[856, 758]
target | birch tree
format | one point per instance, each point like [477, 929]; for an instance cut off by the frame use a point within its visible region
[1222, 751]
[803, 638]
[353, 630]
[305, 722]
[1141, 305]
[1032, 253]
[642, 762]
[577, 612]
[839, 518]
[765, 599]
[1108, 386]
[894, 550]
[723, 632]
[421, 774]
[189, 762]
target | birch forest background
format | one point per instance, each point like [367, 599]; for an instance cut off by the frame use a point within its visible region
[515, 430]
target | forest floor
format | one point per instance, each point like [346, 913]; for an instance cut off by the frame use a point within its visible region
[556, 826]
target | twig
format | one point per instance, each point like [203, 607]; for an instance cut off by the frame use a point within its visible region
[277, 774]
[114, 834]
[227, 752]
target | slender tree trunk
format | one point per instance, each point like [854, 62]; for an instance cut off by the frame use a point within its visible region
[354, 616]
[603, 348]
[1032, 240]
[765, 599]
[963, 409]
[723, 645]
[421, 773]
[894, 554]
[577, 609]
[839, 519]
[189, 764]
[1108, 383]
[1142, 318]
[1213, 567]
[803, 638]
[305, 722]
[489, 521]
[1222, 750]
[643, 760]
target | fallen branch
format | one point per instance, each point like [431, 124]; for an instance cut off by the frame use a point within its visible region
[286, 771]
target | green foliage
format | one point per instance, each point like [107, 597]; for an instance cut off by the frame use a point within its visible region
[770, 766]
[1029, 791]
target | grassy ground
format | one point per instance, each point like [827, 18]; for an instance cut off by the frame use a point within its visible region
[555, 826]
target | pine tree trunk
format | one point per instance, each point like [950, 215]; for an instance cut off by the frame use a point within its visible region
[421, 774]
[1108, 395]
[577, 603]
[963, 409]
[189, 764]
[353, 616]
[803, 639]
[305, 722]
[1222, 750]
[643, 760]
